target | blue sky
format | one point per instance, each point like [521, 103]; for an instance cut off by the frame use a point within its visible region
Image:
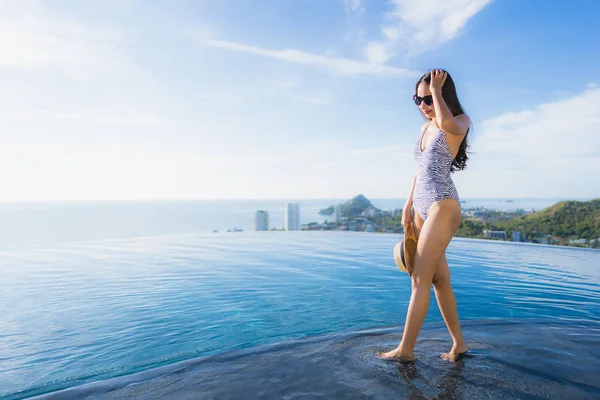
[135, 100]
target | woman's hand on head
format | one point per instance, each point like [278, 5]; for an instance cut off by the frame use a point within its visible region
[438, 77]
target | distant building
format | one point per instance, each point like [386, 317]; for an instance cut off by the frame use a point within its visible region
[578, 241]
[479, 214]
[337, 213]
[517, 236]
[370, 211]
[495, 234]
[261, 220]
[352, 225]
[369, 228]
[292, 217]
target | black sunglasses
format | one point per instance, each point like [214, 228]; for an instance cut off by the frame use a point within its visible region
[427, 100]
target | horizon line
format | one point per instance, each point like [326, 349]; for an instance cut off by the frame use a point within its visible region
[283, 199]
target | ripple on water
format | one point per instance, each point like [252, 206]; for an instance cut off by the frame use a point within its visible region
[507, 360]
[79, 313]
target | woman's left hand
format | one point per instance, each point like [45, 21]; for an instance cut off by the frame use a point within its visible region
[438, 77]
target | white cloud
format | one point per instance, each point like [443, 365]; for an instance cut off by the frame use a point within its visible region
[288, 84]
[545, 151]
[96, 118]
[378, 52]
[383, 151]
[144, 127]
[550, 131]
[57, 67]
[90, 111]
[355, 6]
[315, 100]
[416, 26]
[340, 66]
[32, 38]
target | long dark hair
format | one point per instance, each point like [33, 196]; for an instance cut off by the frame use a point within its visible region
[451, 99]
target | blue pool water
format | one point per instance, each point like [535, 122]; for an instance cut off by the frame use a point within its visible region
[290, 314]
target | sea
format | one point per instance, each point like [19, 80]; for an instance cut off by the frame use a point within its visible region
[146, 301]
[36, 223]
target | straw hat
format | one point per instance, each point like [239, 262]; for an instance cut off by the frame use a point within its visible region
[406, 249]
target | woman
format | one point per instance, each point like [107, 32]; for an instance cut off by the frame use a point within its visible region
[440, 150]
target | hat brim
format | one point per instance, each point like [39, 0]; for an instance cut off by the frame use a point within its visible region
[405, 251]
[399, 256]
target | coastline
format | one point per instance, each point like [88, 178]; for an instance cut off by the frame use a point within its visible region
[558, 224]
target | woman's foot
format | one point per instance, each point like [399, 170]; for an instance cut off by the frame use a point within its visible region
[396, 354]
[455, 354]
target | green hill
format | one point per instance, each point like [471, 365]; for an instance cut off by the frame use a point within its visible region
[566, 219]
[350, 209]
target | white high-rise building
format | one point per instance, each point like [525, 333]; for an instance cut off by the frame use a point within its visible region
[292, 217]
[337, 213]
[261, 220]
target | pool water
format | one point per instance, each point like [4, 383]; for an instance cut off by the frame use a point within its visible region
[291, 315]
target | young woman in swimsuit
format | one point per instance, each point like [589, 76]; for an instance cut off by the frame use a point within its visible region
[440, 150]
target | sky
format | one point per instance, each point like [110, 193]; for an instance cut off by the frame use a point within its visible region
[266, 99]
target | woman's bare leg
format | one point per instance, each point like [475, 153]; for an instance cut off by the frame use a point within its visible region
[446, 301]
[435, 235]
[447, 304]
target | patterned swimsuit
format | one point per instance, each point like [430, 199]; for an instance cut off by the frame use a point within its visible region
[433, 173]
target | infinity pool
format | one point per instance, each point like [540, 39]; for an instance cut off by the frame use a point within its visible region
[291, 315]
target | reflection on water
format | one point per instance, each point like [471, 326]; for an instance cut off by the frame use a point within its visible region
[344, 366]
[448, 386]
